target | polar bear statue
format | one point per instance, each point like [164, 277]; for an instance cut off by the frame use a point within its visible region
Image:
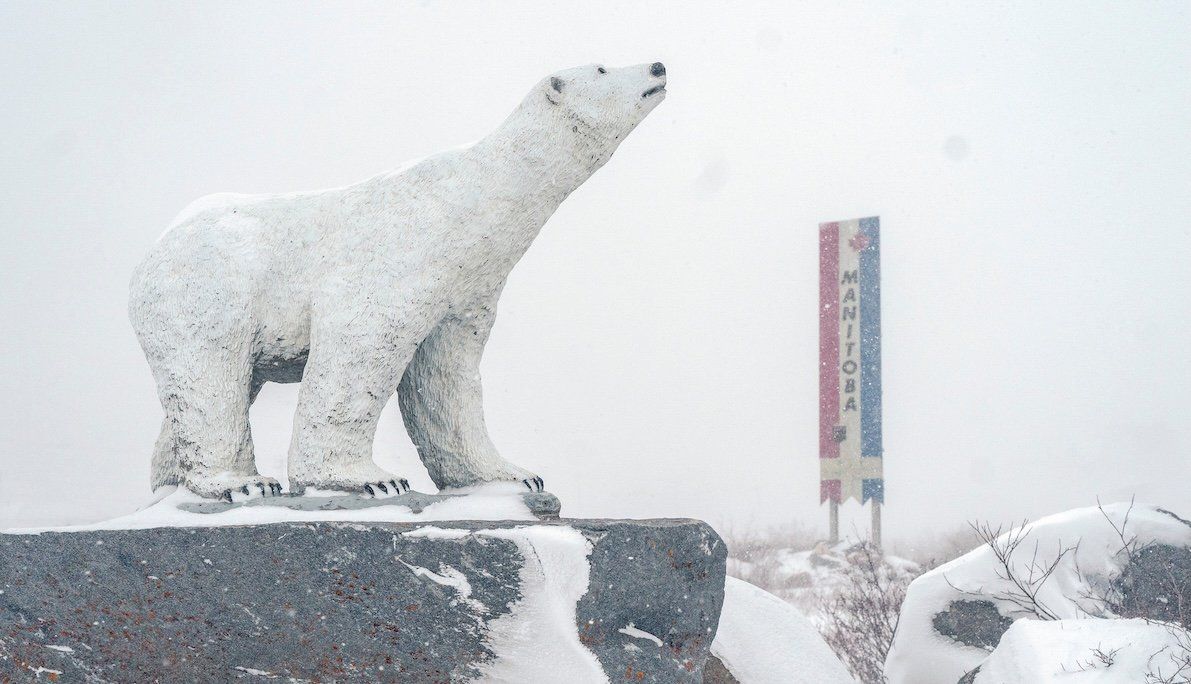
[386, 285]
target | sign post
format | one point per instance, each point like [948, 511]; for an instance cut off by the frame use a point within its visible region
[850, 449]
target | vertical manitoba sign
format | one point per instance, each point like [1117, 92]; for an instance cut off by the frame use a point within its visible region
[850, 449]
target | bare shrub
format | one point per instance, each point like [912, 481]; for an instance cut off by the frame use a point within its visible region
[1100, 658]
[851, 592]
[1179, 669]
[859, 619]
[1165, 595]
[1025, 579]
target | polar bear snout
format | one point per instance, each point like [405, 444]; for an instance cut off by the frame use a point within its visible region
[657, 69]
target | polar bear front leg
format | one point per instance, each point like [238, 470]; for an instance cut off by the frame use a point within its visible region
[356, 358]
[442, 405]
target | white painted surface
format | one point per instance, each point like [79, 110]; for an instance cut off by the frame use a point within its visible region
[389, 285]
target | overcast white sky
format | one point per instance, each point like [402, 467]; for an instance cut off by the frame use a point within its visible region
[656, 350]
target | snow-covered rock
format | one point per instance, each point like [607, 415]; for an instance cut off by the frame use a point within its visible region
[763, 640]
[165, 599]
[1089, 651]
[954, 615]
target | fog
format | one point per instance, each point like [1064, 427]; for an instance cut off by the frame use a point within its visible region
[655, 353]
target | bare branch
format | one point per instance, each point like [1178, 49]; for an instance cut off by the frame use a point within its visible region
[1027, 580]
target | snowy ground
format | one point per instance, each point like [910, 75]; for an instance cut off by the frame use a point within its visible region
[813, 580]
[804, 578]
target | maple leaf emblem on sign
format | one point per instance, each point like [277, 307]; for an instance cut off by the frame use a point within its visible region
[859, 242]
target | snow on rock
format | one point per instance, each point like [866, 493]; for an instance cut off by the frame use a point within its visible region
[953, 616]
[763, 640]
[631, 630]
[1088, 651]
[553, 579]
[168, 511]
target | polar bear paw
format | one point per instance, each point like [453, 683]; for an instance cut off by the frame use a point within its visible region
[535, 484]
[368, 479]
[232, 487]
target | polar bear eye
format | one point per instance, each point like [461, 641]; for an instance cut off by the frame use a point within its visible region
[602, 70]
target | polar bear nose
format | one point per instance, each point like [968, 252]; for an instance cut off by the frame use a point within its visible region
[657, 69]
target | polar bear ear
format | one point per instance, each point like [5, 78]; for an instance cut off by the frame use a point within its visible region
[554, 89]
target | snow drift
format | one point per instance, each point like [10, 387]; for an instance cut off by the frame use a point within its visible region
[1088, 651]
[763, 640]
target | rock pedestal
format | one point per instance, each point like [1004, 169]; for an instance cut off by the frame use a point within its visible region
[339, 601]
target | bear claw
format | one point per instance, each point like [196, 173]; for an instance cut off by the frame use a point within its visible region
[395, 486]
[266, 489]
[535, 484]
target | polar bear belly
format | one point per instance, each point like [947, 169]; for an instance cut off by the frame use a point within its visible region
[421, 283]
[282, 345]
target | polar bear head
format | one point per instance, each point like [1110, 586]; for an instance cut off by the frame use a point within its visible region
[605, 102]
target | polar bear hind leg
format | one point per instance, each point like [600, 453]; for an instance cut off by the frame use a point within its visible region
[167, 469]
[205, 442]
